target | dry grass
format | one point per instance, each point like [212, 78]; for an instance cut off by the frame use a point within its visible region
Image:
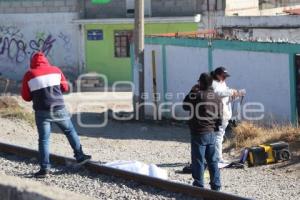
[248, 134]
[9, 108]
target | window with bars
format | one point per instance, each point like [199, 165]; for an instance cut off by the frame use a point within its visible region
[122, 43]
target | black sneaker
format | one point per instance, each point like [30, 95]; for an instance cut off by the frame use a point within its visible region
[84, 159]
[43, 173]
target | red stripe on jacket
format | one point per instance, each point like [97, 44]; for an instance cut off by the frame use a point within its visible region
[40, 66]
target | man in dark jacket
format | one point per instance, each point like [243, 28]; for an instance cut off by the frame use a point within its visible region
[44, 84]
[205, 107]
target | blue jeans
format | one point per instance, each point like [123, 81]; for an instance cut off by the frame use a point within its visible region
[203, 147]
[43, 120]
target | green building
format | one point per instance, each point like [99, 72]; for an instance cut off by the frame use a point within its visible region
[106, 42]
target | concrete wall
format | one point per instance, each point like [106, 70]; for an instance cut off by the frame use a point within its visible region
[286, 35]
[263, 69]
[261, 34]
[259, 28]
[38, 6]
[264, 75]
[22, 35]
[258, 22]
[183, 67]
[178, 81]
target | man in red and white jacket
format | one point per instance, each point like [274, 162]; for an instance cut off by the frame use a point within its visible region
[44, 84]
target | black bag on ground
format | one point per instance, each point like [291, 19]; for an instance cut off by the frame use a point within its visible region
[187, 169]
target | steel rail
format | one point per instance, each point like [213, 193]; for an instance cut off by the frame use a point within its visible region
[166, 185]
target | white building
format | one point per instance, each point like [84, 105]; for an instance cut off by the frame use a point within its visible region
[260, 7]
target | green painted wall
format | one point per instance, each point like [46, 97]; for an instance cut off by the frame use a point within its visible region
[100, 54]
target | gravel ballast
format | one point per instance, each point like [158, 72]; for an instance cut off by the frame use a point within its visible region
[16, 188]
[168, 146]
[83, 182]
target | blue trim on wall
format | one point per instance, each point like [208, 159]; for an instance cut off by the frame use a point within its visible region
[256, 46]
[177, 42]
[165, 80]
[164, 64]
[285, 48]
[226, 44]
[294, 115]
[132, 62]
[210, 58]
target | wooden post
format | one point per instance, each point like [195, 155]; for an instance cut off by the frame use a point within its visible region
[155, 117]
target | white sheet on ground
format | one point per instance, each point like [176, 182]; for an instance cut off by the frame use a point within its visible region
[139, 168]
[222, 165]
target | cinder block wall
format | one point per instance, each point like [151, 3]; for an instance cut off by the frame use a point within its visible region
[162, 8]
[159, 8]
[174, 8]
[38, 6]
[114, 9]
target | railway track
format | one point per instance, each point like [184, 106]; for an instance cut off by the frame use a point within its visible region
[146, 180]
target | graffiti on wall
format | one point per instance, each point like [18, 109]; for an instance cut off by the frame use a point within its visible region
[16, 49]
[11, 30]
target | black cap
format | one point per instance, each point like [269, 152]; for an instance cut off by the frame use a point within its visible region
[222, 71]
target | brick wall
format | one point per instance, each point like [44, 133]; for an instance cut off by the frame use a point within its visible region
[38, 6]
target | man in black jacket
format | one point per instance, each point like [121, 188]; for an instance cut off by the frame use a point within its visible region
[205, 108]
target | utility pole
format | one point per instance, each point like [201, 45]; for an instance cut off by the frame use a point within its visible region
[139, 56]
[208, 14]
